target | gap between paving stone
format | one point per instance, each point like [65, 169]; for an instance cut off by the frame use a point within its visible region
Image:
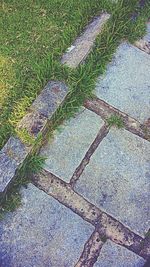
[36, 121]
[105, 224]
[91, 250]
[105, 111]
[101, 134]
[83, 44]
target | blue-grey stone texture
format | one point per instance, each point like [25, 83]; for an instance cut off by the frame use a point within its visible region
[11, 156]
[42, 233]
[50, 98]
[113, 255]
[117, 179]
[65, 152]
[126, 83]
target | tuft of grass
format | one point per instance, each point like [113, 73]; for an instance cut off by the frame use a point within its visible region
[12, 200]
[115, 121]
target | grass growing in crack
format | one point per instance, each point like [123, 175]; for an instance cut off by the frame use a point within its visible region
[12, 200]
[115, 121]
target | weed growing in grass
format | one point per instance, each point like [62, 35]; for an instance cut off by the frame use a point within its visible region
[115, 121]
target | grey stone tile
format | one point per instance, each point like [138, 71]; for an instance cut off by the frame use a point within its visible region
[117, 179]
[42, 233]
[83, 44]
[11, 156]
[68, 148]
[50, 98]
[113, 255]
[126, 83]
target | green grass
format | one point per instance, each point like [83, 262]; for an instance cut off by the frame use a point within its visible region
[34, 36]
[115, 121]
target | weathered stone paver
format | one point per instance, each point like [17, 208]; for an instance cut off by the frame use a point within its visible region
[35, 122]
[116, 256]
[83, 44]
[117, 179]
[42, 233]
[68, 148]
[126, 83]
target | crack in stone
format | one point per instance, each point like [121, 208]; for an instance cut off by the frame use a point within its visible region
[103, 109]
[106, 225]
[85, 161]
[91, 250]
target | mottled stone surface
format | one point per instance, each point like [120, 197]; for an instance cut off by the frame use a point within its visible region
[50, 98]
[126, 83]
[34, 123]
[117, 179]
[82, 46]
[41, 233]
[65, 152]
[113, 255]
[11, 156]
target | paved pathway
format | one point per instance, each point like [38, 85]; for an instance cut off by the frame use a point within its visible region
[92, 208]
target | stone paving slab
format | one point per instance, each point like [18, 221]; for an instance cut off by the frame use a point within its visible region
[113, 255]
[126, 83]
[42, 232]
[117, 179]
[66, 151]
[11, 156]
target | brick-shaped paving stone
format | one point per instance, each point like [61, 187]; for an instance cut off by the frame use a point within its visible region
[117, 256]
[65, 152]
[15, 150]
[42, 232]
[117, 179]
[126, 83]
[83, 44]
[11, 157]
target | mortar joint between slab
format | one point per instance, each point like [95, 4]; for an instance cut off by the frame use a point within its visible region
[105, 110]
[104, 130]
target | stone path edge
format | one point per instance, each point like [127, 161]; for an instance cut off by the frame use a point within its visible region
[35, 122]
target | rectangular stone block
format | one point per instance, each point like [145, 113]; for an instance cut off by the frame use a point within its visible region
[15, 151]
[126, 83]
[11, 157]
[50, 98]
[65, 152]
[82, 46]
